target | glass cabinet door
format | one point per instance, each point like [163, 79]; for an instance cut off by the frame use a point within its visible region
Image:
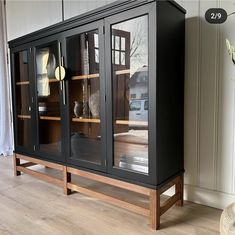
[130, 94]
[86, 87]
[48, 98]
[22, 100]
[131, 77]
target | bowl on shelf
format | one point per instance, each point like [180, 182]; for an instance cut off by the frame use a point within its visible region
[42, 108]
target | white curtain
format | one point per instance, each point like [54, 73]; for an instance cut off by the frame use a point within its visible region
[6, 141]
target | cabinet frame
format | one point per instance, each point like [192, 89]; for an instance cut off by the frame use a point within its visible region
[108, 15]
[59, 157]
[15, 50]
[166, 24]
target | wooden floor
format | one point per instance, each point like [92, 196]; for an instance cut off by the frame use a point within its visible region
[29, 207]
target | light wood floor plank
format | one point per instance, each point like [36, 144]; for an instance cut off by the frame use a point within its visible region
[29, 206]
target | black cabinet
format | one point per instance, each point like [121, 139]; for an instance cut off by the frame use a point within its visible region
[104, 92]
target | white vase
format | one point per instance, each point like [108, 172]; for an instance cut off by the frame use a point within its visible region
[94, 104]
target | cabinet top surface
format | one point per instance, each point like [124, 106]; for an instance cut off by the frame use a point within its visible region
[88, 17]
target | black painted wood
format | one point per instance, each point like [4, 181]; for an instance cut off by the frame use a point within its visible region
[170, 90]
[166, 87]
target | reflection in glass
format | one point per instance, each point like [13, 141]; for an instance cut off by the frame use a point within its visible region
[123, 43]
[84, 96]
[23, 109]
[130, 94]
[48, 99]
[46, 65]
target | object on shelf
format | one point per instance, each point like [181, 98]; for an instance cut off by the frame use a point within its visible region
[94, 104]
[42, 108]
[51, 65]
[46, 64]
[48, 108]
[78, 108]
[85, 109]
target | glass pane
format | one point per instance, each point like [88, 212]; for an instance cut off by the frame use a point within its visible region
[97, 55]
[117, 54]
[23, 109]
[130, 106]
[84, 97]
[123, 44]
[123, 57]
[117, 43]
[48, 99]
[113, 42]
[96, 38]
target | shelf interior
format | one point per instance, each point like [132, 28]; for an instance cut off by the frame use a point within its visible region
[120, 122]
[96, 75]
[86, 76]
[22, 83]
[24, 116]
[50, 118]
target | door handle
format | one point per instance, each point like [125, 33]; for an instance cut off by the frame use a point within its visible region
[60, 73]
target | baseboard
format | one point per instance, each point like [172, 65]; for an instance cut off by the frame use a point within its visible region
[206, 197]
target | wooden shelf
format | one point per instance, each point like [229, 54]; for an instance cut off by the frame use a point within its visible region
[87, 76]
[125, 71]
[96, 75]
[53, 80]
[120, 122]
[90, 120]
[136, 123]
[50, 118]
[24, 116]
[22, 83]
[27, 82]
[129, 71]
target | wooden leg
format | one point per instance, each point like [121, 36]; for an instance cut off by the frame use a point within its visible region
[154, 209]
[16, 162]
[179, 188]
[67, 179]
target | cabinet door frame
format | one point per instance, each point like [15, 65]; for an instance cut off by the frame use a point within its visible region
[98, 25]
[26, 47]
[150, 10]
[58, 157]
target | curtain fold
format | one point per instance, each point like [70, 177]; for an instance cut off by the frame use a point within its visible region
[6, 140]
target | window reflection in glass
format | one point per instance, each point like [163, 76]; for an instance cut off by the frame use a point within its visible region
[135, 105]
[130, 94]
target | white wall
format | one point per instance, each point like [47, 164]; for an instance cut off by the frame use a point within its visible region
[73, 8]
[27, 16]
[209, 106]
[209, 92]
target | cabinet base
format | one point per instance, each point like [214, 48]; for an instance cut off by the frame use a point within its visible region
[154, 211]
